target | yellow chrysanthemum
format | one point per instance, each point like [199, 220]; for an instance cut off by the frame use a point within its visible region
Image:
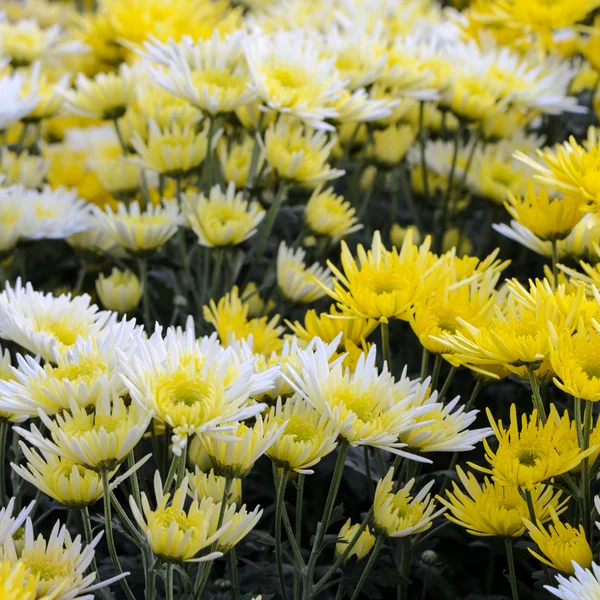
[546, 217]
[530, 454]
[241, 524]
[364, 544]
[209, 485]
[16, 583]
[121, 291]
[224, 218]
[399, 514]
[327, 214]
[236, 157]
[307, 436]
[560, 544]
[230, 318]
[493, 509]
[390, 145]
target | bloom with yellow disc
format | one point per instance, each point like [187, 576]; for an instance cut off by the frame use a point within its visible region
[224, 218]
[140, 231]
[381, 284]
[327, 214]
[529, 454]
[15, 584]
[560, 545]
[121, 291]
[399, 514]
[236, 157]
[307, 436]
[241, 523]
[176, 533]
[492, 509]
[364, 544]
[209, 485]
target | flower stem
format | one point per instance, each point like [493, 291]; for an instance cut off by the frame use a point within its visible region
[218, 255]
[385, 343]
[266, 229]
[169, 581]
[424, 363]
[421, 136]
[298, 528]
[135, 485]
[437, 365]
[251, 179]
[447, 382]
[511, 568]
[143, 268]
[4, 426]
[120, 135]
[368, 566]
[322, 526]
[404, 556]
[538, 403]
[234, 573]
[110, 540]
[280, 499]
[89, 536]
[368, 475]
[583, 437]
[554, 263]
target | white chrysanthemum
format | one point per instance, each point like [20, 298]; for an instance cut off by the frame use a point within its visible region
[140, 231]
[520, 234]
[446, 429]
[60, 562]
[54, 213]
[9, 524]
[297, 282]
[95, 239]
[81, 373]
[15, 104]
[368, 407]
[290, 76]
[210, 74]
[44, 324]
[584, 585]
[193, 385]
[23, 168]
[358, 107]
[15, 216]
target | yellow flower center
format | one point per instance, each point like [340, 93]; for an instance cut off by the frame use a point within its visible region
[380, 282]
[166, 517]
[186, 391]
[48, 567]
[86, 370]
[300, 430]
[61, 328]
[528, 457]
[363, 405]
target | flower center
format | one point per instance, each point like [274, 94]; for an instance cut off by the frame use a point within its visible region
[528, 457]
[300, 430]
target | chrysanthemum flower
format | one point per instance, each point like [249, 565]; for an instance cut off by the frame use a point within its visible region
[16, 101]
[585, 585]
[298, 154]
[54, 213]
[368, 408]
[59, 563]
[224, 218]
[66, 482]
[117, 174]
[209, 485]
[530, 454]
[363, 545]
[44, 324]
[576, 361]
[194, 386]
[233, 453]
[22, 168]
[382, 284]
[99, 440]
[290, 77]
[236, 157]
[391, 144]
[546, 217]
[230, 318]
[121, 291]
[174, 151]
[296, 282]
[241, 523]
[13, 217]
[399, 514]
[493, 509]
[174, 533]
[446, 428]
[328, 214]
[210, 74]
[15, 584]
[561, 545]
[308, 436]
[9, 525]
[140, 231]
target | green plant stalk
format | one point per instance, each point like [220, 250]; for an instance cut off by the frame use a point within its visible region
[218, 256]
[298, 528]
[322, 526]
[234, 574]
[554, 264]
[266, 229]
[583, 435]
[421, 136]
[169, 581]
[120, 136]
[368, 474]
[511, 568]
[251, 179]
[279, 507]
[208, 165]
[410, 201]
[437, 365]
[447, 382]
[385, 343]
[424, 363]
[4, 426]
[135, 484]
[110, 540]
[143, 269]
[538, 403]
[403, 556]
[368, 566]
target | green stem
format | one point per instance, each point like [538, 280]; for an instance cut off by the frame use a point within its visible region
[368, 567]
[298, 528]
[404, 557]
[447, 382]
[385, 344]
[89, 536]
[251, 179]
[342, 558]
[181, 466]
[209, 175]
[554, 263]
[135, 485]
[80, 279]
[169, 581]
[584, 429]
[120, 135]
[4, 426]
[173, 469]
[266, 229]
[143, 268]
[218, 256]
[424, 364]
[279, 505]
[538, 403]
[110, 541]
[421, 136]
[437, 365]
[410, 201]
[322, 526]
[368, 475]
[234, 574]
[511, 568]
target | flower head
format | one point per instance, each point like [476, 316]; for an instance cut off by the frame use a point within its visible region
[584, 585]
[209, 485]
[121, 291]
[363, 545]
[327, 214]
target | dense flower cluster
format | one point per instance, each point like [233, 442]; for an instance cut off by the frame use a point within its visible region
[239, 235]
